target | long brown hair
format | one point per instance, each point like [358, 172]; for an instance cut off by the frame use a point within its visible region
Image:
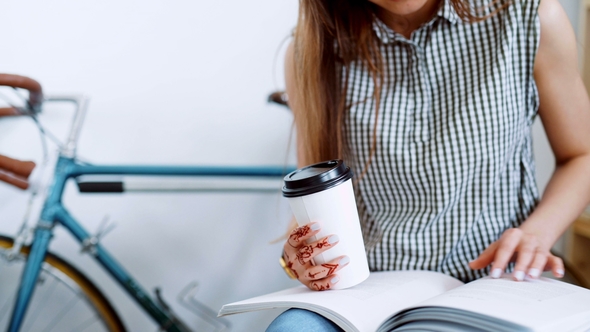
[329, 36]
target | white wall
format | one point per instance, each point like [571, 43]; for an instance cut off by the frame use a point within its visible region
[171, 82]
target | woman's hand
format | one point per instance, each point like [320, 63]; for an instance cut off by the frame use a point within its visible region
[564, 111]
[298, 255]
[531, 256]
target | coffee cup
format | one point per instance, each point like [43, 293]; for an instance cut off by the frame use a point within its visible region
[323, 193]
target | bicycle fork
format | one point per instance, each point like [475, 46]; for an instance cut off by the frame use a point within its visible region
[30, 274]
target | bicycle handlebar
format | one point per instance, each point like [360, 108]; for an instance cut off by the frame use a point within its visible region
[23, 82]
[8, 111]
[279, 97]
[15, 172]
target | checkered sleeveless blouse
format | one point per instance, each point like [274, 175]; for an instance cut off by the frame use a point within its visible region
[453, 167]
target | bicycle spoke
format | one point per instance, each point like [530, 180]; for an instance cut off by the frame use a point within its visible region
[62, 313]
[33, 315]
[6, 307]
[84, 325]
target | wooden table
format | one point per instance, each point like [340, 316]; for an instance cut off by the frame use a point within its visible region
[578, 250]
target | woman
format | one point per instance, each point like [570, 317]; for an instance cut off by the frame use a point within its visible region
[431, 102]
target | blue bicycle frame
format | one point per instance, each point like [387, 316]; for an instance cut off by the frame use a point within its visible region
[53, 213]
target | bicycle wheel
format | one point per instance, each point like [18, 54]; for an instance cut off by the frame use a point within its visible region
[64, 299]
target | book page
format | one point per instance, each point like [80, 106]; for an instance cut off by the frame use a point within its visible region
[360, 308]
[540, 304]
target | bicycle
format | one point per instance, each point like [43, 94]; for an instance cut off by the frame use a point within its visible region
[43, 274]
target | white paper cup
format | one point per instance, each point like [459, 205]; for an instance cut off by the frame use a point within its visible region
[323, 193]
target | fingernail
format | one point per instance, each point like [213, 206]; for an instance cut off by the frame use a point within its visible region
[333, 239]
[344, 260]
[519, 275]
[534, 273]
[335, 279]
[314, 226]
[496, 273]
[560, 272]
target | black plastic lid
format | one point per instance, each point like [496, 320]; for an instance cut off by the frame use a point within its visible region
[315, 178]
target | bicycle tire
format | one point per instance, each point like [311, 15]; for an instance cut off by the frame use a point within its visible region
[89, 292]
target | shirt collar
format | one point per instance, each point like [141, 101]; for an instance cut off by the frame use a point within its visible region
[448, 12]
[387, 35]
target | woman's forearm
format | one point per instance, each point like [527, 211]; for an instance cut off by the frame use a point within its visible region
[567, 194]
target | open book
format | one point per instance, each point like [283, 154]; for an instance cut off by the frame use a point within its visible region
[425, 300]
